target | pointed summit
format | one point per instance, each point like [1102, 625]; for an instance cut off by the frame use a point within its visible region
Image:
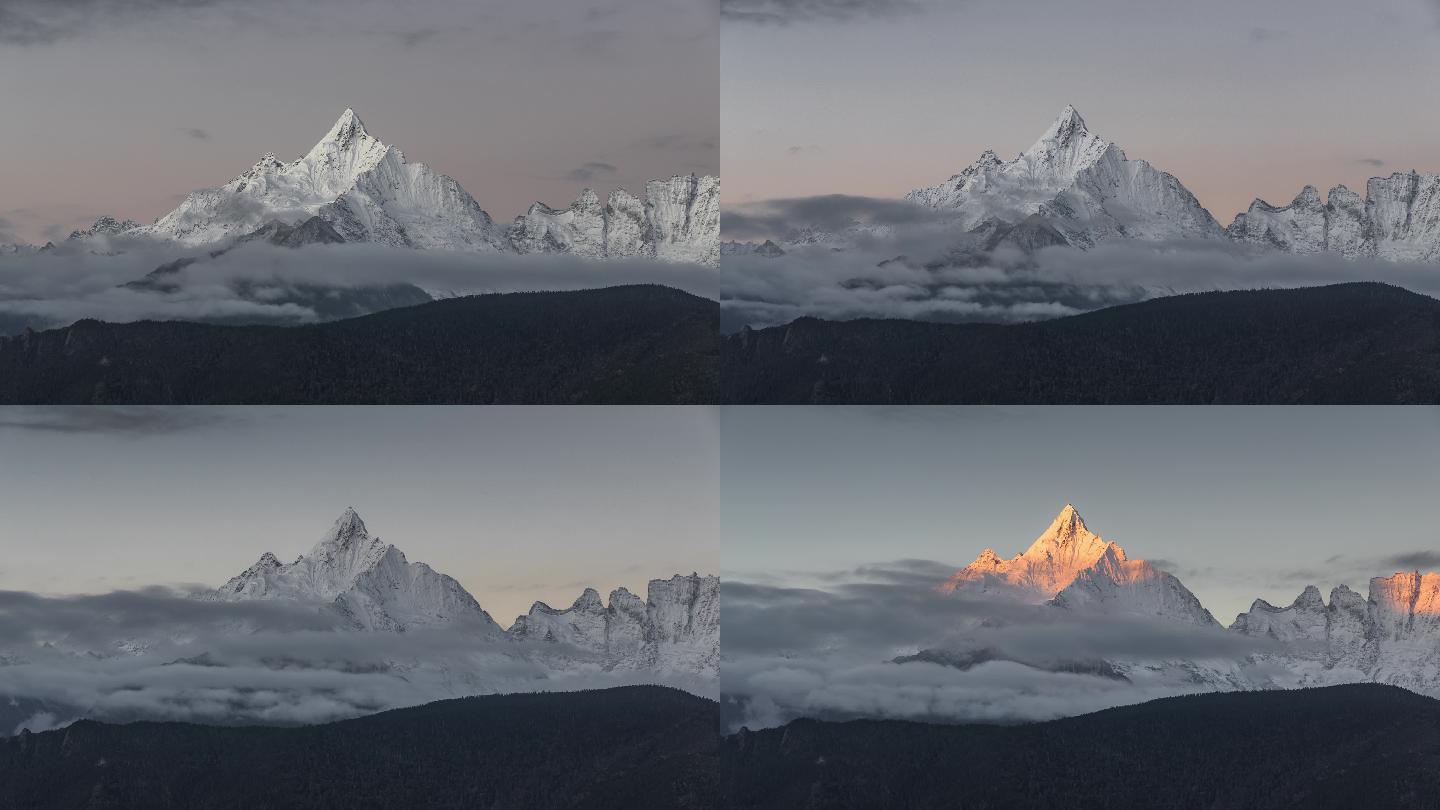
[1067, 124]
[347, 126]
[1051, 563]
[1068, 530]
[363, 582]
[348, 532]
[589, 602]
[349, 522]
[1083, 187]
[1065, 149]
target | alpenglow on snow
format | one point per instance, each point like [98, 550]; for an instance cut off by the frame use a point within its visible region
[1392, 637]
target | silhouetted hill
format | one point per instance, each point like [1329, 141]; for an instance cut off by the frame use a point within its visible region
[1363, 745]
[629, 344]
[1347, 343]
[630, 747]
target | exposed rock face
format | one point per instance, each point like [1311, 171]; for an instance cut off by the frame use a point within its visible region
[678, 221]
[1391, 637]
[106, 226]
[676, 628]
[579, 229]
[1398, 220]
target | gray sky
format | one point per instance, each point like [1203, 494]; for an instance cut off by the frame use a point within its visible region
[1239, 99]
[123, 106]
[1238, 502]
[518, 504]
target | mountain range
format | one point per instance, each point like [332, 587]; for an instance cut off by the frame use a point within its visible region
[371, 587]
[1391, 637]
[1074, 188]
[368, 191]
[349, 628]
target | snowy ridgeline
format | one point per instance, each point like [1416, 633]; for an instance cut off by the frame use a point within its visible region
[371, 586]
[1074, 188]
[1392, 637]
[368, 191]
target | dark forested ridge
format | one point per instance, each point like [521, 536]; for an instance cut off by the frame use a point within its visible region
[1362, 745]
[630, 344]
[1347, 343]
[631, 747]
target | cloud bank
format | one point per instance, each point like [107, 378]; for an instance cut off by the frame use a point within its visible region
[159, 655]
[259, 283]
[831, 652]
[903, 261]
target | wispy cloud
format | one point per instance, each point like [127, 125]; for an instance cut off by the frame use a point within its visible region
[1260, 35]
[787, 12]
[1415, 560]
[836, 651]
[136, 421]
[160, 655]
[38, 22]
[897, 260]
[589, 172]
[59, 287]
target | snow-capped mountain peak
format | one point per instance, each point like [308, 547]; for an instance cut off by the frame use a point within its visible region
[335, 163]
[1068, 566]
[1066, 148]
[366, 582]
[1067, 529]
[1075, 184]
[1043, 569]
[367, 190]
[369, 585]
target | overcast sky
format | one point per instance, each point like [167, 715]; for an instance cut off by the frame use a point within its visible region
[1239, 99]
[123, 106]
[1238, 502]
[518, 504]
